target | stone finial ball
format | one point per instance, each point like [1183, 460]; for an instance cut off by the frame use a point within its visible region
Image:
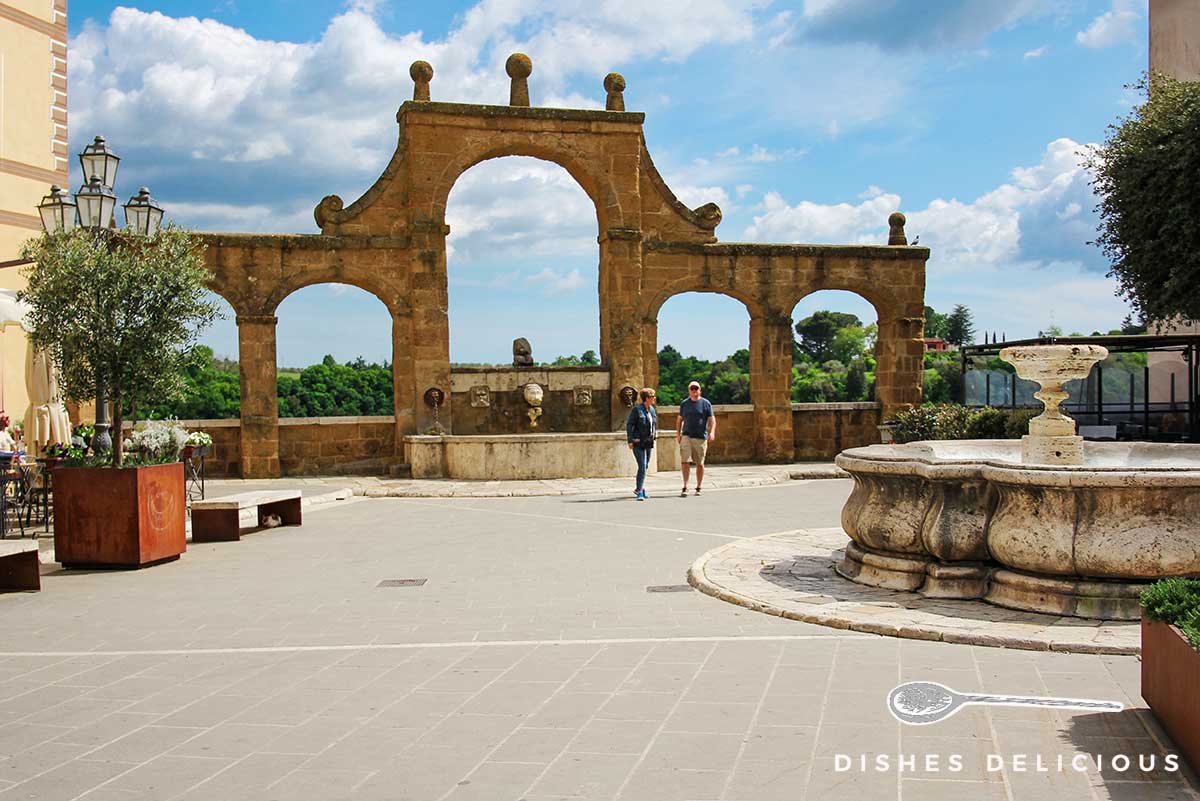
[614, 82]
[896, 218]
[421, 71]
[518, 65]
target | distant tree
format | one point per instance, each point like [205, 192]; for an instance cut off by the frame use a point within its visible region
[589, 359]
[1145, 174]
[1052, 331]
[960, 326]
[936, 324]
[211, 391]
[856, 381]
[818, 331]
[1128, 326]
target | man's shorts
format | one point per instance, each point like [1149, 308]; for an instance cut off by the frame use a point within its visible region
[692, 450]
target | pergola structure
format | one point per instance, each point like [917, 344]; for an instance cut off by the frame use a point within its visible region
[391, 242]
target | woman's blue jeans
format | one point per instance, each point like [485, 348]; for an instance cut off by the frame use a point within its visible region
[643, 459]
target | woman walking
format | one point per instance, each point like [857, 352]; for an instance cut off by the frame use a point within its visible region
[640, 431]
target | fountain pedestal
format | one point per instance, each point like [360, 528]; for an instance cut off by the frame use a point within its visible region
[1051, 438]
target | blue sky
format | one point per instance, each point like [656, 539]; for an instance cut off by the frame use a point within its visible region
[807, 121]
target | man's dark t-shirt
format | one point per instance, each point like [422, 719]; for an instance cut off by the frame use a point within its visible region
[695, 414]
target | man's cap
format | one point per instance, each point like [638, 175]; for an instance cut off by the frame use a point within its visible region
[695, 384]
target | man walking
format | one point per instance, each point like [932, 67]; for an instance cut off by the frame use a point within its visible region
[696, 428]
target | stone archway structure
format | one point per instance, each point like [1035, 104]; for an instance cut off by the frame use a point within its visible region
[391, 242]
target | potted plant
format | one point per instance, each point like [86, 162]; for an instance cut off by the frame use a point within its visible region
[1171, 660]
[53, 454]
[196, 444]
[120, 310]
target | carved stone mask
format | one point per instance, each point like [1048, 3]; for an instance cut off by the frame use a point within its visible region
[533, 394]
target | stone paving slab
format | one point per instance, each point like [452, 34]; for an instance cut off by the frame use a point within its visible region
[790, 574]
[716, 477]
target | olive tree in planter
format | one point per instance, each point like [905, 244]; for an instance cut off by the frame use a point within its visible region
[121, 309]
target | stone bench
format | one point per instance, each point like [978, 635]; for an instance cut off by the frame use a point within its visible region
[218, 519]
[19, 567]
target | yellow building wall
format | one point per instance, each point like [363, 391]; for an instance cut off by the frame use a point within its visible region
[33, 154]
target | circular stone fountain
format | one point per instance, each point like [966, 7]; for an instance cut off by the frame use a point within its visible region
[1048, 524]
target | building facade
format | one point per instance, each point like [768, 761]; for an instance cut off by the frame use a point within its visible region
[33, 153]
[1174, 51]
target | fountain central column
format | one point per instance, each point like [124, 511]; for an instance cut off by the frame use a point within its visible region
[1052, 438]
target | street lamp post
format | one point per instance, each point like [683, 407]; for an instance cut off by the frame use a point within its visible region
[94, 208]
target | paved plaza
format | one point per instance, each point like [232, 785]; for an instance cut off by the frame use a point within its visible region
[533, 663]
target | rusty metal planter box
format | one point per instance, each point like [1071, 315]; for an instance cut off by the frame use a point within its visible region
[1171, 685]
[127, 518]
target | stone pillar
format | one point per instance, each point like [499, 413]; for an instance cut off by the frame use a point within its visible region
[650, 352]
[404, 398]
[771, 388]
[621, 327]
[260, 402]
[900, 363]
[428, 344]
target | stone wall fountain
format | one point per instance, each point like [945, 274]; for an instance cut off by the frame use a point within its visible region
[1050, 524]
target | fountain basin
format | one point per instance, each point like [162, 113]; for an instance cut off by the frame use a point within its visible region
[966, 519]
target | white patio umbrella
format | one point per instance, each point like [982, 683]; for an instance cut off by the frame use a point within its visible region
[11, 309]
[46, 422]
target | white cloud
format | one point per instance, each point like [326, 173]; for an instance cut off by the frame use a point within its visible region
[1016, 254]
[215, 92]
[251, 217]
[518, 208]
[808, 222]
[1114, 27]
[556, 283]
[1037, 52]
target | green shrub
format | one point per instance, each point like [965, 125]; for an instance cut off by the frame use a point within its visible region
[931, 421]
[1175, 601]
[989, 423]
[951, 421]
[1018, 422]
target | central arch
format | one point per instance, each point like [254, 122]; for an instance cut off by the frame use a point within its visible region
[522, 261]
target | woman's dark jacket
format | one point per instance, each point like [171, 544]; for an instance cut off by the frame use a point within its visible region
[641, 425]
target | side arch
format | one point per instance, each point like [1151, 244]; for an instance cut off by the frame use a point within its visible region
[653, 305]
[390, 297]
[900, 347]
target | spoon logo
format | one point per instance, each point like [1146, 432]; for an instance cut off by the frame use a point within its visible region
[919, 703]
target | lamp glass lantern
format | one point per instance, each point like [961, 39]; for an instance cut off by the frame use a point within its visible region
[143, 215]
[57, 211]
[96, 204]
[98, 161]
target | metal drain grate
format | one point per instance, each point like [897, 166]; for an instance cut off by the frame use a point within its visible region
[669, 588]
[402, 583]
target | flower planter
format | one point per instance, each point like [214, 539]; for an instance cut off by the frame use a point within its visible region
[194, 450]
[127, 518]
[1171, 685]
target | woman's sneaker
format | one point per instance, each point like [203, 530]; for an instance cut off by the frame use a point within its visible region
[641, 495]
